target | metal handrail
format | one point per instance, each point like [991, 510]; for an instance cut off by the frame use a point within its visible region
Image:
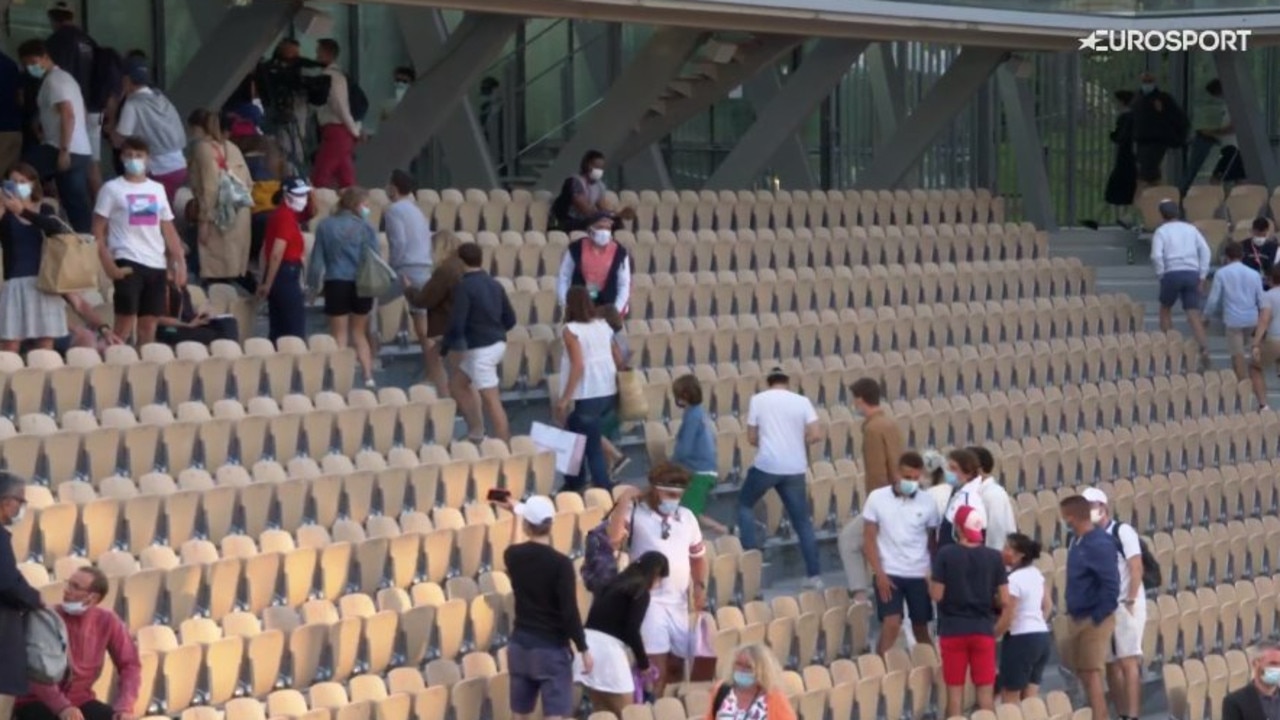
[555, 130]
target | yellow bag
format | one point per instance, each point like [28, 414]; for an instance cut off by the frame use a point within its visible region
[68, 263]
[633, 403]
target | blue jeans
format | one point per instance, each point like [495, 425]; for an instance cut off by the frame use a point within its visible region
[286, 308]
[791, 488]
[587, 419]
[73, 186]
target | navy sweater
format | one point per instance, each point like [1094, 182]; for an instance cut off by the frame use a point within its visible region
[1093, 577]
[481, 314]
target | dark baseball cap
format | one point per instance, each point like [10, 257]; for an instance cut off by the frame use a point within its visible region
[777, 375]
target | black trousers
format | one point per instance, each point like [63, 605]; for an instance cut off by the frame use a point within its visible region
[92, 710]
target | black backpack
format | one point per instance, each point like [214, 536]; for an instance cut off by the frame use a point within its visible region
[1151, 575]
[560, 206]
[357, 100]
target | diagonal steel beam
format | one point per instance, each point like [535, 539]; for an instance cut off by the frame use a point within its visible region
[473, 46]
[1254, 141]
[806, 88]
[763, 52]
[633, 92]
[946, 98]
[791, 161]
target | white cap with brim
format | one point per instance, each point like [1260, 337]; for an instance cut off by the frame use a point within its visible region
[1094, 495]
[536, 510]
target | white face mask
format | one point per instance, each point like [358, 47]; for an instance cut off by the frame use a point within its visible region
[1095, 516]
[74, 608]
[1257, 240]
[597, 174]
[601, 237]
[296, 204]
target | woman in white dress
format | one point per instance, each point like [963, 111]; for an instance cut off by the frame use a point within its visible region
[613, 627]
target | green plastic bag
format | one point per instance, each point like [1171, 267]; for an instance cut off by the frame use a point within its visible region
[374, 278]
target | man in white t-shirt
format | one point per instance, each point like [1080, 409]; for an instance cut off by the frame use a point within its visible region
[898, 540]
[782, 425]
[138, 245]
[655, 522]
[996, 504]
[65, 153]
[1124, 667]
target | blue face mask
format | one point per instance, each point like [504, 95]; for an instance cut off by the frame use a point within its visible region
[668, 507]
[364, 213]
[135, 166]
[950, 478]
[1148, 88]
[744, 678]
[908, 487]
[35, 71]
[1271, 676]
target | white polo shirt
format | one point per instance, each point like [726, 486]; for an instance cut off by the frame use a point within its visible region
[903, 525]
[1132, 548]
[683, 541]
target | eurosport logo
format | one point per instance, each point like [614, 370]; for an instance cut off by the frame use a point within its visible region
[1166, 40]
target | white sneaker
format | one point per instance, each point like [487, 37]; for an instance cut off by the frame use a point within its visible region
[814, 583]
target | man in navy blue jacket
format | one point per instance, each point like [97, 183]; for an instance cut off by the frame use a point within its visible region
[478, 325]
[1093, 589]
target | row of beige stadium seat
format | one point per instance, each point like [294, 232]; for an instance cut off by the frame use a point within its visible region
[512, 254]
[720, 339]
[691, 295]
[477, 209]
[1243, 204]
[136, 450]
[951, 371]
[1196, 687]
[123, 375]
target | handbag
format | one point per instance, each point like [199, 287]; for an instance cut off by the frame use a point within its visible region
[68, 262]
[374, 278]
[633, 403]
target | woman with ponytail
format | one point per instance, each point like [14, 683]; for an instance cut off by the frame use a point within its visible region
[1023, 622]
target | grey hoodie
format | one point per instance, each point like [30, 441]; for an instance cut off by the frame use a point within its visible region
[157, 121]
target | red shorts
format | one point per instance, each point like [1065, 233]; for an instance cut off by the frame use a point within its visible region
[971, 655]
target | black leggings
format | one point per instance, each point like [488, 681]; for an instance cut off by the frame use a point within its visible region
[92, 710]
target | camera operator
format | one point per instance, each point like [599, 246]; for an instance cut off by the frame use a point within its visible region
[283, 92]
[334, 165]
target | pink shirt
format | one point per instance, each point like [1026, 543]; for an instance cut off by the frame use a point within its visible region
[93, 635]
[596, 263]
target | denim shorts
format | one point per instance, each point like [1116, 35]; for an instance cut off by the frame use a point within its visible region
[1180, 286]
[540, 670]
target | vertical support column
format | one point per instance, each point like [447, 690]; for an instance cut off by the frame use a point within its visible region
[888, 95]
[229, 53]
[435, 95]
[637, 88]
[465, 150]
[1020, 118]
[787, 111]
[790, 162]
[946, 99]
[1254, 141]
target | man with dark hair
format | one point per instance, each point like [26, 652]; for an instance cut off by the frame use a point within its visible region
[339, 129]
[16, 596]
[1181, 258]
[138, 245]
[95, 633]
[66, 153]
[401, 78]
[478, 325]
[997, 506]
[881, 449]
[1158, 125]
[73, 50]
[409, 245]
[1092, 596]
[1260, 249]
[1236, 297]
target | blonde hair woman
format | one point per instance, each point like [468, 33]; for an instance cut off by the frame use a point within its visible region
[753, 690]
[436, 297]
[341, 240]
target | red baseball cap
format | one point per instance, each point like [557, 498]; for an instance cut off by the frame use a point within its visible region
[970, 523]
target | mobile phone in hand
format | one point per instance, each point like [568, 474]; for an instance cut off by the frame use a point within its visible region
[498, 495]
[10, 188]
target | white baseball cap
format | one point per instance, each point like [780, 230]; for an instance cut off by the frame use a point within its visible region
[537, 510]
[1094, 495]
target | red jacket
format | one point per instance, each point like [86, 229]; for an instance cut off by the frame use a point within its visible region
[93, 635]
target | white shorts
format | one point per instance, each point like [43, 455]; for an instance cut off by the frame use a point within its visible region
[94, 122]
[1126, 641]
[481, 365]
[666, 629]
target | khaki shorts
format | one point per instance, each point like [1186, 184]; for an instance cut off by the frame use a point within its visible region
[1089, 644]
[1270, 354]
[1239, 340]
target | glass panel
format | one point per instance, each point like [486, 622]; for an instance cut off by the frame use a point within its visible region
[181, 38]
[122, 24]
[547, 42]
[381, 51]
[28, 20]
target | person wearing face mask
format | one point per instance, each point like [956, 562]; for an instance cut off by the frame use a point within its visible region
[969, 582]
[1159, 124]
[1091, 595]
[898, 524]
[1260, 699]
[753, 689]
[996, 503]
[653, 521]
[66, 154]
[600, 264]
[341, 240]
[881, 447]
[16, 596]
[588, 384]
[95, 633]
[148, 114]
[1235, 298]
[964, 473]
[402, 77]
[613, 628]
[224, 234]
[582, 197]
[1023, 623]
[282, 253]
[26, 313]
[1260, 249]
[138, 244]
